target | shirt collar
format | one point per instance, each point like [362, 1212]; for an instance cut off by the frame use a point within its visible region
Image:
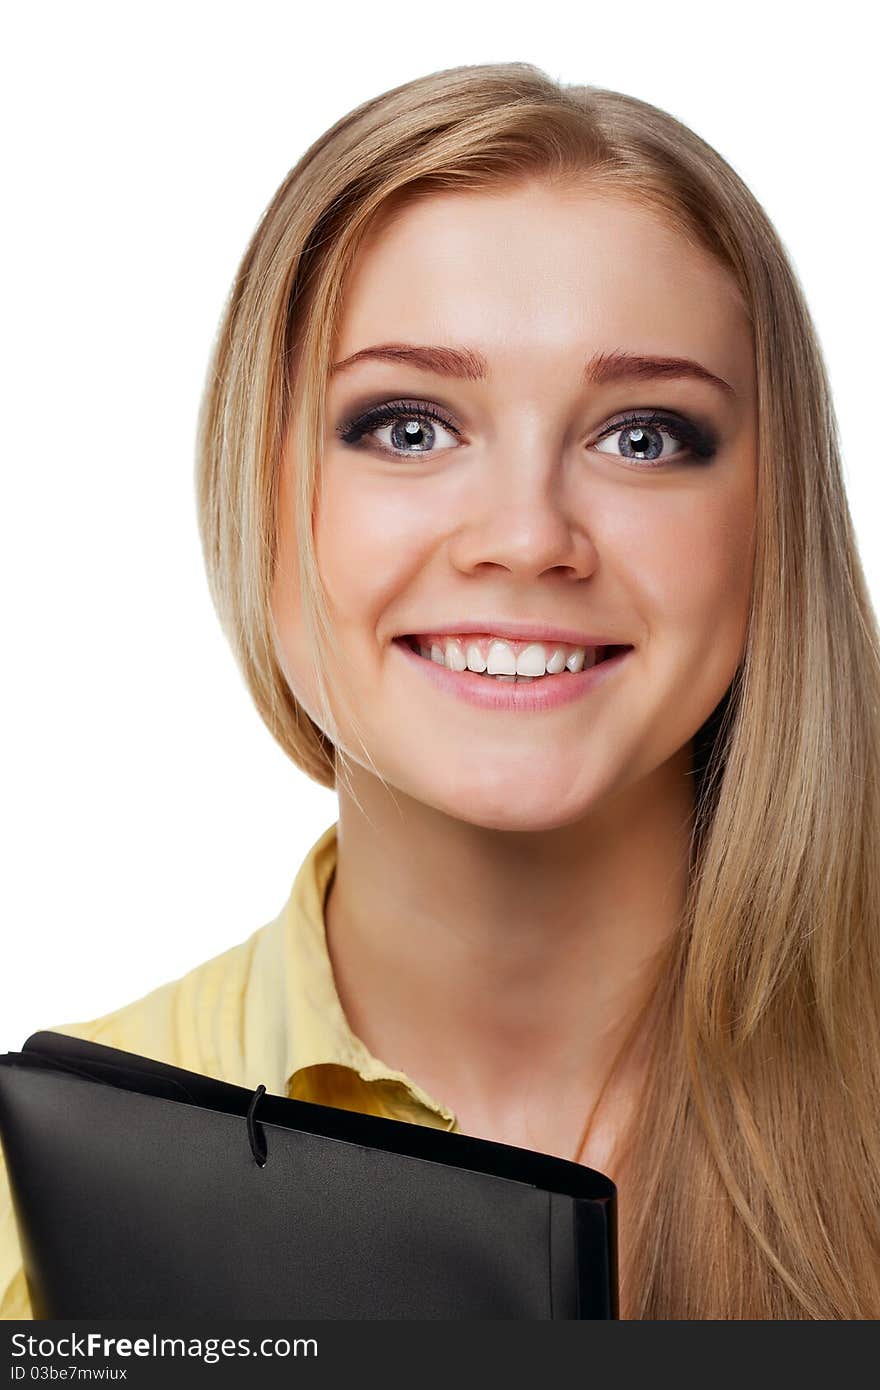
[318, 1031]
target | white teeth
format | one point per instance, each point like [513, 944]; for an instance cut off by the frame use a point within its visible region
[556, 662]
[501, 660]
[455, 657]
[475, 659]
[531, 661]
[575, 662]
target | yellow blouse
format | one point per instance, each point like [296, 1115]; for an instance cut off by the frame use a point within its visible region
[264, 1012]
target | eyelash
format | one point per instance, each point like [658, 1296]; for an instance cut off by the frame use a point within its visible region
[701, 447]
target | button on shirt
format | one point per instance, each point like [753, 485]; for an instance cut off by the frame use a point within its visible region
[265, 1012]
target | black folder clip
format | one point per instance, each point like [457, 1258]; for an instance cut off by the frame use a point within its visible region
[256, 1136]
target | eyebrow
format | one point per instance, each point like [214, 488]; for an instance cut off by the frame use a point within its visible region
[469, 365]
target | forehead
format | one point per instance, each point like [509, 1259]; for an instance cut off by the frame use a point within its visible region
[539, 269]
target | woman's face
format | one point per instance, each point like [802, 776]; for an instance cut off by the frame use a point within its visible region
[529, 484]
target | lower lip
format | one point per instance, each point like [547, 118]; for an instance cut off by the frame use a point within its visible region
[545, 692]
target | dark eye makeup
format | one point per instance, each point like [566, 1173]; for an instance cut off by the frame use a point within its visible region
[353, 431]
[700, 443]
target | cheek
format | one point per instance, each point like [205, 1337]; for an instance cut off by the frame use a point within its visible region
[726, 558]
[369, 542]
[686, 541]
[694, 577]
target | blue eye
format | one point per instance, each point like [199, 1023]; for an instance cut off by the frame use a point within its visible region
[413, 427]
[642, 439]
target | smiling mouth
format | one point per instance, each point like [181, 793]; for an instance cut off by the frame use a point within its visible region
[572, 660]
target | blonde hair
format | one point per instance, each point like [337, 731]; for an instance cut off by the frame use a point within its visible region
[753, 1161]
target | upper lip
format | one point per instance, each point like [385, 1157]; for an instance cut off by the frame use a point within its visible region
[519, 632]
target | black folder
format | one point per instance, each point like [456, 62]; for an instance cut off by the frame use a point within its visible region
[143, 1190]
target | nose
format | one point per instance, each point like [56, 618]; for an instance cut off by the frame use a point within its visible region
[519, 518]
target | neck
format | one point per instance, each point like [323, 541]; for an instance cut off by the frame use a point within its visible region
[501, 970]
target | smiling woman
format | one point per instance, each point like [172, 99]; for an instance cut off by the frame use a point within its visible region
[522, 509]
[514, 476]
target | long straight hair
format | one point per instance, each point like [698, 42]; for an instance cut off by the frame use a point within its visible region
[753, 1161]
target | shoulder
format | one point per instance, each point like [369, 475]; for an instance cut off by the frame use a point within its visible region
[189, 1022]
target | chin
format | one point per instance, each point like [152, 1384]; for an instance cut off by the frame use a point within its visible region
[508, 808]
[513, 821]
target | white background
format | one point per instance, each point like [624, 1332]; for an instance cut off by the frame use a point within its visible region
[149, 821]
